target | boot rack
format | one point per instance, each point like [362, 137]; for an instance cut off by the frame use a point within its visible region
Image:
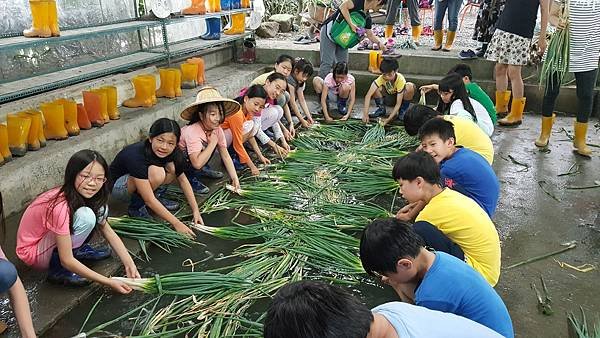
[42, 82]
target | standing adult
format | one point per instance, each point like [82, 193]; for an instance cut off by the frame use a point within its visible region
[584, 50]
[509, 48]
[441, 7]
[413, 13]
[331, 52]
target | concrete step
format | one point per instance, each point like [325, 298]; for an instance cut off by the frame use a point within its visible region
[24, 178]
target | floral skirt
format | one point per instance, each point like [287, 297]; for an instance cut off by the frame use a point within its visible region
[508, 48]
[487, 16]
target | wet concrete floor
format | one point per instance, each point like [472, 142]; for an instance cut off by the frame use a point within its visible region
[539, 210]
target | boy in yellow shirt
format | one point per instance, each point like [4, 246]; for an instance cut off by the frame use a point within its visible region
[447, 220]
[389, 89]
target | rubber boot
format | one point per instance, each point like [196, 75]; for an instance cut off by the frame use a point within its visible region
[41, 135]
[137, 207]
[416, 34]
[103, 104]
[515, 117]
[70, 110]
[544, 138]
[226, 5]
[245, 3]
[40, 27]
[450, 35]
[438, 38]
[197, 7]
[54, 115]
[57, 274]
[33, 142]
[18, 131]
[53, 18]
[82, 118]
[502, 99]
[167, 83]
[4, 149]
[374, 58]
[142, 98]
[167, 203]
[111, 102]
[200, 73]
[92, 103]
[579, 142]
[213, 28]
[189, 75]
[151, 87]
[88, 253]
[389, 31]
[214, 6]
[177, 84]
[238, 24]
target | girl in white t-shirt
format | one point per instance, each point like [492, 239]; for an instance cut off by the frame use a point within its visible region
[454, 100]
[338, 86]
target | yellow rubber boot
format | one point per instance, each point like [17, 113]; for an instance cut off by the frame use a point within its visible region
[4, 149]
[238, 24]
[33, 142]
[189, 74]
[197, 7]
[111, 102]
[374, 60]
[214, 6]
[41, 135]
[53, 18]
[40, 27]
[167, 83]
[544, 138]
[177, 84]
[83, 121]
[70, 110]
[416, 34]
[245, 3]
[389, 31]
[151, 87]
[103, 104]
[502, 99]
[449, 41]
[579, 142]
[18, 131]
[92, 103]
[515, 117]
[200, 79]
[142, 98]
[438, 38]
[54, 115]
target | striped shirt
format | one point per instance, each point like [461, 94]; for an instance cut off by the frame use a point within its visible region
[584, 16]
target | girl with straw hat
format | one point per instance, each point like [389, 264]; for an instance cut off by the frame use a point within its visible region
[203, 135]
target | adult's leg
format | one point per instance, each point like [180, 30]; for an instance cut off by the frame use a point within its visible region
[341, 55]
[437, 240]
[392, 15]
[453, 10]
[516, 81]
[551, 93]
[501, 72]
[585, 91]
[517, 106]
[440, 12]
[327, 52]
[415, 20]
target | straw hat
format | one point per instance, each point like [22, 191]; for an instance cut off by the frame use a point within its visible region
[210, 95]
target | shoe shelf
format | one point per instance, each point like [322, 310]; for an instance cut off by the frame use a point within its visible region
[10, 91]
[190, 46]
[18, 42]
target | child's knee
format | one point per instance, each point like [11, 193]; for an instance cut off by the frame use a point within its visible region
[83, 218]
[409, 91]
[8, 275]
[156, 176]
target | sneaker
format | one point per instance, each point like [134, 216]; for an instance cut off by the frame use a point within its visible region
[198, 187]
[378, 113]
[57, 274]
[237, 164]
[467, 55]
[481, 53]
[88, 253]
[167, 203]
[206, 171]
[141, 212]
[342, 108]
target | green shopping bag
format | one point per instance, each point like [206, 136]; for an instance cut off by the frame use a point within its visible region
[341, 32]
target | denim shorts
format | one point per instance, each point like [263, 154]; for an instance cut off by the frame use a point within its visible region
[119, 190]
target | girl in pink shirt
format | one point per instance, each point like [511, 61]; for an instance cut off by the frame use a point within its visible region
[338, 86]
[55, 227]
[10, 282]
[203, 135]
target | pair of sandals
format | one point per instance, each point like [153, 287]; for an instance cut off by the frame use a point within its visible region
[305, 40]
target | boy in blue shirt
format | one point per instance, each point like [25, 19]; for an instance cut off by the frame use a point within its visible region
[461, 169]
[392, 251]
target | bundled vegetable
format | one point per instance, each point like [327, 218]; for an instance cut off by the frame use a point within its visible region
[556, 65]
